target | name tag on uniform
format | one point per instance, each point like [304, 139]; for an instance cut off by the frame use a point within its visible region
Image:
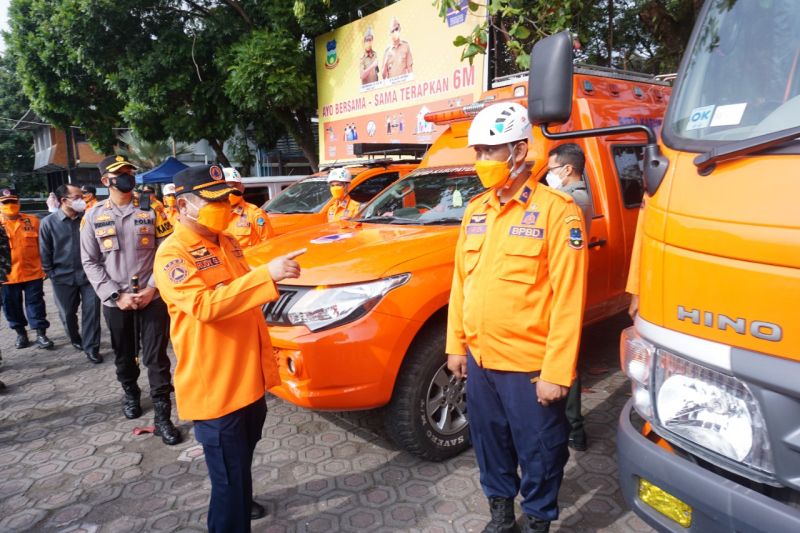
[209, 262]
[476, 229]
[526, 231]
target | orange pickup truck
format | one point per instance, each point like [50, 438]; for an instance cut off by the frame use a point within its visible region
[364, 325]
[306, 202]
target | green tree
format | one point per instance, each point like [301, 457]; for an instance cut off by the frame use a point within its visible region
[147, 155]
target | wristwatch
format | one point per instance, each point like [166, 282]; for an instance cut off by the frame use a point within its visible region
[114, 296]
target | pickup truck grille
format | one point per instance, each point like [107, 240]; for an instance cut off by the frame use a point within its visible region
[277, 313]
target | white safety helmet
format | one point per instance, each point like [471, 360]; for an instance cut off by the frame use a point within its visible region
[169, 188]
[340, 174]
[232, 175]
[500, 123]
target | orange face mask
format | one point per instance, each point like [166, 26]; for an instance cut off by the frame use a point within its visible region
[169, 200]
[214, 216]
[9, 209]
[337, 191]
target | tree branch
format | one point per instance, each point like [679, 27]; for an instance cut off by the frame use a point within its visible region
[236, 6]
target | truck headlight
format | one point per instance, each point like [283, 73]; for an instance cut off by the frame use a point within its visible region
[326, 307]
[712, 410]
[636, 359]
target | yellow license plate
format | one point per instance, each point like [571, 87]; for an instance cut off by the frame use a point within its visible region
[665, 503]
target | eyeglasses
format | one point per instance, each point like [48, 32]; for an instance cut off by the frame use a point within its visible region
[554, 168]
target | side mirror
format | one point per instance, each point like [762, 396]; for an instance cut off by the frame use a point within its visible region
[550, 80]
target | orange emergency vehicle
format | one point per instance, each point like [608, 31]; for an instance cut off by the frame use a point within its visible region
[710, 439]
[306, 202]
[364, 325]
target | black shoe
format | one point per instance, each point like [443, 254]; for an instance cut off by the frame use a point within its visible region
[77, 344]
[531, 524]
[22, 340]
[131, 408]
[503, 520]
[257, 511]
[42, 341]
[94, 356]
[2, 386]
[578, 442]
[164, 427]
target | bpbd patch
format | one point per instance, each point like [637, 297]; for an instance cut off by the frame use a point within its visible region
[526, 231]
[575, 238]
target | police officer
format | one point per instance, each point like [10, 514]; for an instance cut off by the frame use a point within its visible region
[249, 224]
[514, 322]
[343, 206]
[225, 360]
[397, 58]
[5, 268]
[89, 196]
[369, 61]
[565, 167]
[60, 249]
[169, 203]
[26, 277]
[119, 238]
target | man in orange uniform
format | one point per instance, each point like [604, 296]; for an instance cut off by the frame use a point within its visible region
[343, 206]
[26, 277]
[514, 323]
[89, 196]
[249, 223]
[225, 360]
[170, 209]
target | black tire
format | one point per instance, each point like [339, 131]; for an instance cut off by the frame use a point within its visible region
[427, 413]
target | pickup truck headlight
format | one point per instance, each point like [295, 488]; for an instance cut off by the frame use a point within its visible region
[712, 410]
[326, 307]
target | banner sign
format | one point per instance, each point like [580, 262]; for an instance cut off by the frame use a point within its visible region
[377, 77]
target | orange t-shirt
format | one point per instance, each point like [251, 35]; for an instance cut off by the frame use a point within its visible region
[519, 283]
[221, 341]
[23, 237]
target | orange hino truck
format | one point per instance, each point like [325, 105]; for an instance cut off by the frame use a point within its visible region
[710, 439]
[364, 325]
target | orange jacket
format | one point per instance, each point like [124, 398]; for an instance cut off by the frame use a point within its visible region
[23, 236]
[519, 283]
[343, 209]
[221, 342]
[249, 224]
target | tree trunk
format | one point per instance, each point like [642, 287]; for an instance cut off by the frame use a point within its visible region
[610, 32]
[216, 145]
[298, 126]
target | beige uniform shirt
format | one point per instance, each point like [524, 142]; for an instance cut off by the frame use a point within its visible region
[398, 60]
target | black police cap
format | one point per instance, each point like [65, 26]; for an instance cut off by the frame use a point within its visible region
[113, 163]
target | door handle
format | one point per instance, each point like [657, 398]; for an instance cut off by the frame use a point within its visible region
[599, 242]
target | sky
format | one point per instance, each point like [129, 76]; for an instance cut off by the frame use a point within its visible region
[3, 20]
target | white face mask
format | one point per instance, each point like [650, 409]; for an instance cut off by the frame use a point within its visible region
[78, 206]
[553, 180]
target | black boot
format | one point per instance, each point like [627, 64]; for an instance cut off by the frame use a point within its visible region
[503, 520]
[531, 524]
[42, 341]
[131, 407]
[2, 386]
[164, 427]
[22, 338]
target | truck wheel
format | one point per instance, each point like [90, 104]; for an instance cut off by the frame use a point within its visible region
[427, 413]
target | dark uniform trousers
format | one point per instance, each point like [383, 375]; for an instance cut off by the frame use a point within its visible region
[67, 298]
[228, 444]
[509, 428]
[153, 324]
[33, 292]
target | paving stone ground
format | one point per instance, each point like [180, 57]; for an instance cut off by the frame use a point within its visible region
[69, 460]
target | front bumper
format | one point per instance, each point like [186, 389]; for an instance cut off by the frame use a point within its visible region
[718, 504]
[349, 367]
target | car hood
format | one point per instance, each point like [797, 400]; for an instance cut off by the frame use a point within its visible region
[338, 254]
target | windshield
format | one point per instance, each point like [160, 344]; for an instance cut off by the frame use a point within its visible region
[425, 198]
[307, 196]
[742, 78]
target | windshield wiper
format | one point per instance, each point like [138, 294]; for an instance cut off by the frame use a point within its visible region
[387, 219]
[443, 221]
[706, 162]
